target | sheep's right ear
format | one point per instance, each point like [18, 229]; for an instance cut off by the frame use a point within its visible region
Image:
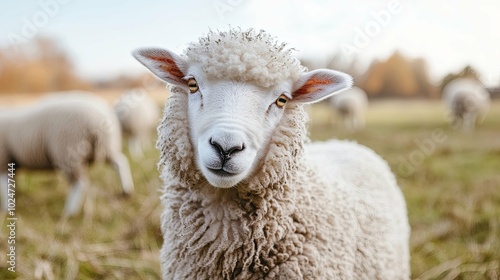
[165, 64]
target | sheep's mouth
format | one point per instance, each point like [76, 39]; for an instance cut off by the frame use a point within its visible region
[221, 172]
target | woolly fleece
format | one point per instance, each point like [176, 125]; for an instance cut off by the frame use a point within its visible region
[328, 210]
[289, 221]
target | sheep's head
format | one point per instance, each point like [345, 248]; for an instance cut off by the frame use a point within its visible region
[233, 117]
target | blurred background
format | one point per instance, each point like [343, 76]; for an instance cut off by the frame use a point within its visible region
[401, 53]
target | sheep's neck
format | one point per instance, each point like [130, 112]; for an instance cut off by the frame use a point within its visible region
[220, 224]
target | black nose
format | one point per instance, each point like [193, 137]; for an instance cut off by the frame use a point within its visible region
[226, 152]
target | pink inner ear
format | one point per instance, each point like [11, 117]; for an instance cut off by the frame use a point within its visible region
[313, 85]
[168, 65]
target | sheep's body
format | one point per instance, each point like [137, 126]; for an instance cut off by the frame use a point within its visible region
[327, 210]
[334, 213]
[351, 105]
[138, 114]
[63, 132]
[467, 101]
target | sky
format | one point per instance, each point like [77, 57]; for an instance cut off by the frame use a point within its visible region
[100, 35]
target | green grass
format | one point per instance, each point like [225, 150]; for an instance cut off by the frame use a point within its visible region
[452, 191]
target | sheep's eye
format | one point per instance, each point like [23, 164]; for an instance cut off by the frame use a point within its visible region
[281, 101]
[192, 85]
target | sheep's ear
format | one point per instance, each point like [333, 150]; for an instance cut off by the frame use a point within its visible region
[165, 64]
[319, 84]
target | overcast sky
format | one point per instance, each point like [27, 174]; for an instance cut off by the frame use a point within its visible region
[99, 35]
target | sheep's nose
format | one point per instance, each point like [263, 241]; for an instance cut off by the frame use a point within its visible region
[226, 147]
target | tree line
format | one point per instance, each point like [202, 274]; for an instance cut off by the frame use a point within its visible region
[43, 65]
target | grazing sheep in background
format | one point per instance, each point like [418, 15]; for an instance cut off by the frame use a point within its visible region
[138, 114]
[244, 198]
[65, 132]
[351, 105]
[467, 101]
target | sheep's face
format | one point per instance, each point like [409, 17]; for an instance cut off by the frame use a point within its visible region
[232, 123]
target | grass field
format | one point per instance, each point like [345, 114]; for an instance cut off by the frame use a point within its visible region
[451, 181]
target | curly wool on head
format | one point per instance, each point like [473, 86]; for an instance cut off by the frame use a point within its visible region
[247, 56]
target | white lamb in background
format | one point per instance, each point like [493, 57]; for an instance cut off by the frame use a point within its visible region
[244, 197]
[467, 101]
[65, 132]
[351, 106]
[138, 114]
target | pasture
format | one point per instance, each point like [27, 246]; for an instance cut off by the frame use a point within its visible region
[450, 179]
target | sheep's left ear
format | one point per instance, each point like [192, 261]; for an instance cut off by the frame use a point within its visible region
[319, 84]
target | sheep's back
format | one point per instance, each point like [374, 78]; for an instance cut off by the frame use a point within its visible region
[376, 200]
[352, 101]
[466, 95]
[64, 132]
[143, 116]
[137, 114]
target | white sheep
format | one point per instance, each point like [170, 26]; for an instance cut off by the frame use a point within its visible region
[351, 106]
[65, 132]
[467, 101]
[244, 198]
[138, 114]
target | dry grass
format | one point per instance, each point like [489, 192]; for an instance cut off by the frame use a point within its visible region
[113, 238]
[452, 194]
